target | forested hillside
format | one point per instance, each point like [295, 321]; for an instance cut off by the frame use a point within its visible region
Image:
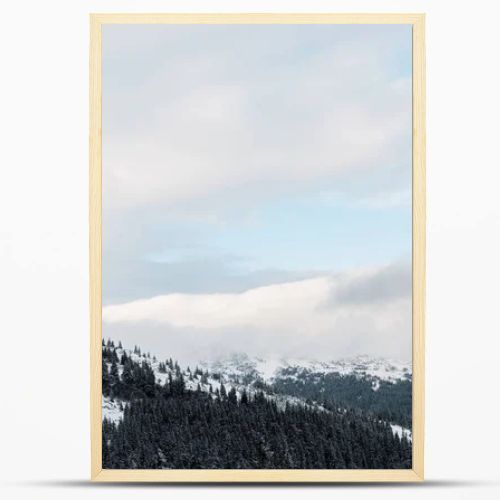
[184, 419]
[390, 401]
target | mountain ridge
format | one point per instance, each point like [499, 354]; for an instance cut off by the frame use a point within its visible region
[269, 368]
[157, 415]
[276, 379]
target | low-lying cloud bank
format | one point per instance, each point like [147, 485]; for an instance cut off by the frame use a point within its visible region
[361, 312]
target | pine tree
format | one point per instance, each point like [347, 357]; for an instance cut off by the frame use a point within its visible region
[231, 397]
[106, 380]
[244, 397]
[223, 393]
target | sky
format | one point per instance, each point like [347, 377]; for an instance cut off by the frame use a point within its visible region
[257, 189]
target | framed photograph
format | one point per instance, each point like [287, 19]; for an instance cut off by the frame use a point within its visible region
[257, 247]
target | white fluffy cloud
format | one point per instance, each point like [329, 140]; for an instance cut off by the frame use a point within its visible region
[268, 306]
[312, 316]
[216, 127]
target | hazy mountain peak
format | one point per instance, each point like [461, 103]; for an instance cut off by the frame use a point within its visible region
[238, 364]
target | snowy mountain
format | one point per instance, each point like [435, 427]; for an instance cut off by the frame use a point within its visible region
[240, 374]
[239, 366]
[240, 413]
[157, 415]
[324, 386]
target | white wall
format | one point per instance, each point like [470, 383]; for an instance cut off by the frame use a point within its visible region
[44, 416]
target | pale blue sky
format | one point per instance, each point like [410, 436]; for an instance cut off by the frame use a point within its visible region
[303, 234]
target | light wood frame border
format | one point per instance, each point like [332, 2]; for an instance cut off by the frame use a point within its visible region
[95, 187]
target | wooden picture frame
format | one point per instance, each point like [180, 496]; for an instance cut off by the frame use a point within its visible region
[416, 473]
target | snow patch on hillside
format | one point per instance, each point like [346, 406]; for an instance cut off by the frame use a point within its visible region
[112, 410]
[364, 366]
[241, 374]
[401, 431]
[241, 366]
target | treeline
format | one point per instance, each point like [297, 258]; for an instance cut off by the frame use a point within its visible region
[166, 427]
[137, 380]
[391, 402]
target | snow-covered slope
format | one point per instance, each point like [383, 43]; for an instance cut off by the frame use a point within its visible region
[401, 431]
[240, 366]
[112, 410]
[252, 375]
[241, 376]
